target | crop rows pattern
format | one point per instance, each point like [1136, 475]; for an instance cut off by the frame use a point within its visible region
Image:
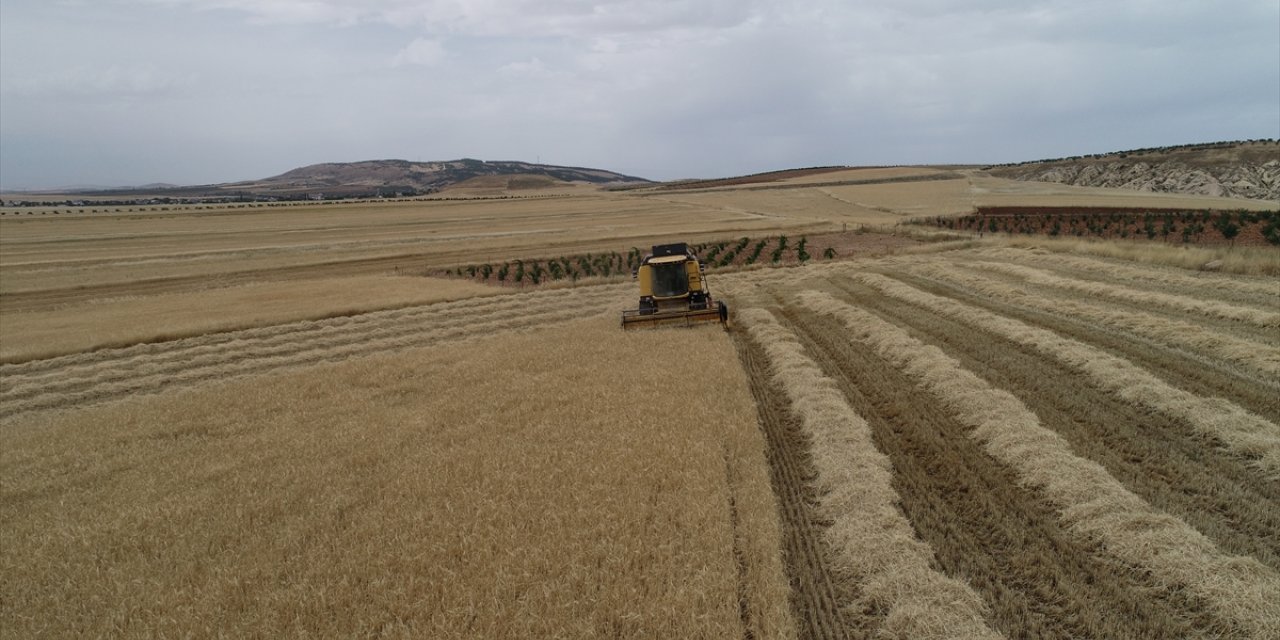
[1092, 446]
[109, 374]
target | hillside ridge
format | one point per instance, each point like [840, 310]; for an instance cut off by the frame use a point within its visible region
[1237, 169]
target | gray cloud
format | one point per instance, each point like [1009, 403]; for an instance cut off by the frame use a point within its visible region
[191, 91]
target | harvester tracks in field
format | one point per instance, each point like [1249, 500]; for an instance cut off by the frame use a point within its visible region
[1192, 445]
[816, 594]
[109, 374]
[1003, 543]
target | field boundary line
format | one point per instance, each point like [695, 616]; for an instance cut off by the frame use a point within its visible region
[1257, 317]
[1091, 501]
[875, 541]
[1256, 357]
[1238, 429]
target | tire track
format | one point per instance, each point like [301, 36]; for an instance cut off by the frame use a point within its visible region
[816, 596]
[113, 373]
[870, 538]
[1036, 576]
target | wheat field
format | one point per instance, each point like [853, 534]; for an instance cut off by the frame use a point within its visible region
[1130, 475]
[285, 422]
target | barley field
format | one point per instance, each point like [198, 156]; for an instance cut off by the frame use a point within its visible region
[290, 423]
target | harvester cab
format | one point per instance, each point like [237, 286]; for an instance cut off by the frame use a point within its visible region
[673, 291]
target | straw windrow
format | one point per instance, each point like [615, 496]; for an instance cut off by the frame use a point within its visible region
[1250, 355]
[875, 543]
[1241, 431]
[1240, 590]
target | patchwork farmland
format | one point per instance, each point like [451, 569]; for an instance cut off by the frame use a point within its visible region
[963, 438]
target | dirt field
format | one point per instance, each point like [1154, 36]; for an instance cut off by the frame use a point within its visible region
[271, 423]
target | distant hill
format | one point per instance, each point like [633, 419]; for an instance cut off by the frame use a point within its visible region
[377, 177]
[1240, 169]
[403, 176]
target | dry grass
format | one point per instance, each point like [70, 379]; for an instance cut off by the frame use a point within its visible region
[510, 487]
[1262, 289]
[117, 323]
[1257, 261]
[874, 542]
[1241, 431]
[107, 374]
[1242, 590]
[1209, 308]
[1259, 358]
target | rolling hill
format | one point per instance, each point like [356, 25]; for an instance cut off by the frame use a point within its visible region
[1243, 169]
[403, 176]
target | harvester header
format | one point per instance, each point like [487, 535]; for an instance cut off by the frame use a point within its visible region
[673, 291]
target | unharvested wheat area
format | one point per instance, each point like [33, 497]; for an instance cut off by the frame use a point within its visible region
[320, 421]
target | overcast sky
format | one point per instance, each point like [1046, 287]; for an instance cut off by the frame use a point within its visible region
[126, 92]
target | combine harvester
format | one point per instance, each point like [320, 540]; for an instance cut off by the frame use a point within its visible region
[673, 291]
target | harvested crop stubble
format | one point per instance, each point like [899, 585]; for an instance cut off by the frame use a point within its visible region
[114, 373]
[876, 543]
[1247, 261]
[1211, 309]
[122, 322]
[1264, 290]
[499, 489]
[1241, 590]
[1240, 430]
[1261, 359]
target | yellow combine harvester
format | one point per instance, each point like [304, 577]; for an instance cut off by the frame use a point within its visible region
[673, 291]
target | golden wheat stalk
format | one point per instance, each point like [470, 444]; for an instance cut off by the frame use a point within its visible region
[875, 541]
[1091, 501]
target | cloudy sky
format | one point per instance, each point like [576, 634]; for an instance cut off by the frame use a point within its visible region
[121, 92]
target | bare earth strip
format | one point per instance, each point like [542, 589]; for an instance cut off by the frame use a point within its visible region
[818, 599]
[1241, 590]
[1240, 430]
[874, 543]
